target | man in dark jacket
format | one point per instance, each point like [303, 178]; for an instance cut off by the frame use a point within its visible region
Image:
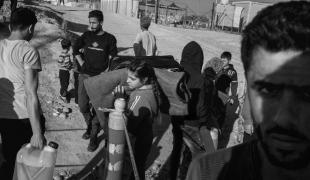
[198, 118]
[229, 70]
[93, 52]
[229, 86]
[275, 55]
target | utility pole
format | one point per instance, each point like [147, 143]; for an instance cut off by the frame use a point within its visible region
[214, 4]
[156, 10]
[185, 17]
[166, 14]
[212, 16]
[145, 13]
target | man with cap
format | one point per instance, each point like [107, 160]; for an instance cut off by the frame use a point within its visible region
[145, 43]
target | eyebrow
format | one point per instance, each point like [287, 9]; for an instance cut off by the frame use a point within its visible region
[131, 77]
[268, 84]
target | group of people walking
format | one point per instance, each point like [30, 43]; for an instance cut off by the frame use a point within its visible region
[275, 54]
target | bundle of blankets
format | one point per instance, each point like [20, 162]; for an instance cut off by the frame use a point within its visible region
[170, 77]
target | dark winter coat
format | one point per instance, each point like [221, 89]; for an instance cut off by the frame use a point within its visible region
[199, 112]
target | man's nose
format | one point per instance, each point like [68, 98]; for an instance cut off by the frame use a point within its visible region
[287, 111]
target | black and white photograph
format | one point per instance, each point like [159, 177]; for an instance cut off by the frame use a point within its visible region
[154, 89]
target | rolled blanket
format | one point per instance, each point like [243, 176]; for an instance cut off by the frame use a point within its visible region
[165, 62]
[99, 89]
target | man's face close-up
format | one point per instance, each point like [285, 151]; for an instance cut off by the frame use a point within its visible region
[94, 24]
[279, 93]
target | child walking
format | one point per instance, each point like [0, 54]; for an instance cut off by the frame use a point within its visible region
[65, 65]
[143, 107]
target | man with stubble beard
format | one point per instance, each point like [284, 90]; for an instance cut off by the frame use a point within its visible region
[275, 52]
[93, 51]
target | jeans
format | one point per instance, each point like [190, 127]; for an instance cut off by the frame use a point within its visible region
[177, 148]
[76, 87]
[180, 130]
[86, 109]
[142, 148]
[64, 77]
[227, 127]
[14, 134]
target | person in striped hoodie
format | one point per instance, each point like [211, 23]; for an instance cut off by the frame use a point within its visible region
[65, 65]
[142, 110]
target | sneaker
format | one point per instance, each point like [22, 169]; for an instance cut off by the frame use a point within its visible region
[86, 135]
[93, 144]
[67, 99]
[63, 98]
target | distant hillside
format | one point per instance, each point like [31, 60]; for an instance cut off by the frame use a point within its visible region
[204, 7]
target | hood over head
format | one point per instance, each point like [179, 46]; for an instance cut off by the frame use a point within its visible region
[192, 57]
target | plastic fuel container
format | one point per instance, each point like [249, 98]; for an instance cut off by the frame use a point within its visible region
[35, 164]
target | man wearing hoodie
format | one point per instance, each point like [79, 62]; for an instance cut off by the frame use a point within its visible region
[229, 89]
[199, 117]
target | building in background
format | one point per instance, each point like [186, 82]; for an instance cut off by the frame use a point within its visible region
[124, 7]
[230, 15]
[236, 15]
[168, 12]
[250, 9]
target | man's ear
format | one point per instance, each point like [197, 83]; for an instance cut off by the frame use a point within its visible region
[30, 29]
[145, 80]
